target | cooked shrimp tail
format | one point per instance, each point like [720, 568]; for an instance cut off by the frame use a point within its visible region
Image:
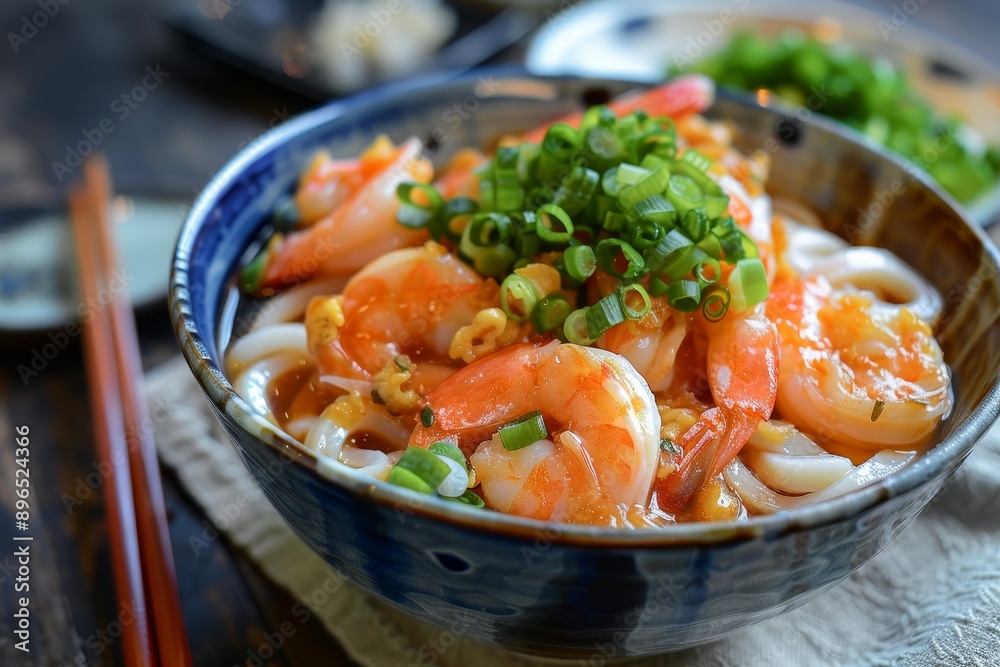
[743, 376]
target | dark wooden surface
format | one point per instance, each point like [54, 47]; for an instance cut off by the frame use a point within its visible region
[58, 85]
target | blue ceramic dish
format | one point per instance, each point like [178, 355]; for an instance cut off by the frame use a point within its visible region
[568, 591]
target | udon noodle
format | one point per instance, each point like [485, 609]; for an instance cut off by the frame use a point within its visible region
[606, 322]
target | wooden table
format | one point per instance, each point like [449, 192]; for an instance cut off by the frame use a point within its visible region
[60, 84]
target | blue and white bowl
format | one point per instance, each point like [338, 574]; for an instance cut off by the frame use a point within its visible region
[570, 591]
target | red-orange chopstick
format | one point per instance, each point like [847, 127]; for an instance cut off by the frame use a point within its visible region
[170, 638]
[111, 446]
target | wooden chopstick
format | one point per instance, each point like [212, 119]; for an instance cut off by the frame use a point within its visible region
[169, 639]
[106, 408]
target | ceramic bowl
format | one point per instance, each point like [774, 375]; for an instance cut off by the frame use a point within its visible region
[568, 591]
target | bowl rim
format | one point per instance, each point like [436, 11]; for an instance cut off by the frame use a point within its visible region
[942, 459]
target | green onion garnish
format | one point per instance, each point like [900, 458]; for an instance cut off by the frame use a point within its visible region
[468, 498]
[253, 272]
[715, 303]
[684, 193]
[575, 328]
[580, 262]
[550, 313]
[696, 160]
[553, 224]
[523, 431]
[451, 451]
[604, 314]
[419, 470]
[619, 259]
[748, 284]
[635, 301]
[684, 295]
[518, 297]
[489, 229]
[418, 204]
[427, 417]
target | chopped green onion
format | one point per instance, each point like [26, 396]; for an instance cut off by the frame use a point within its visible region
[490, 229]
[413, 213]
[635, 301]
[419, 470]
[560, 143]
[684, 295]
[553, 224]
[614, 222]
[667, 250]
[454, 216]
[575, 328]
[509, 193]
[253, 273]
[684, 193]
[524, 431]
[604, 314]
[645, 234]
[580, 262]
[550, 312]
[610, 252]
[707, 271]
[427, 417]
[653, 184]
[748, 284]
[518, 297]
[400, 365]
[576, 190]
[715, 303]
[654, 209]
[494, 261]
[683, 262]
[695, 224]
[526, 159]
[450, 451]
[696, 160]
[468, 498]
[711, 246]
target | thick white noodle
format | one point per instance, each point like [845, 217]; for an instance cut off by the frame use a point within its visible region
[879, 271]
[291, 305]
[809, 246]
[252, 382]
[266, 342]
[329, 440]
[348, 384]
[795, 464]
[761, 499]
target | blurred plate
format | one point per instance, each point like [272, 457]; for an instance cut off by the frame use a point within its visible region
[271, 39]
[38, 273]
[638, 40]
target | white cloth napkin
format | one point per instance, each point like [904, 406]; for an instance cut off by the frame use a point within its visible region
[931, 598]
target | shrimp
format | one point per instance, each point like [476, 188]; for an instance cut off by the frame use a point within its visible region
[410, 301]
[681, 97]
[855, 371]
[742, 361]
[599, 459]
[650, 344]
[354, 233]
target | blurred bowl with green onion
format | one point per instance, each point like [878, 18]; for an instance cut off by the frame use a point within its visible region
[919, 94]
